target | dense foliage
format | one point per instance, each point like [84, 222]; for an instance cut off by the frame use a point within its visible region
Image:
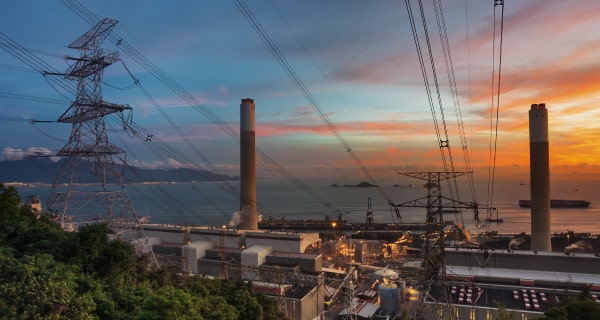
[581, 308]
[46, 273]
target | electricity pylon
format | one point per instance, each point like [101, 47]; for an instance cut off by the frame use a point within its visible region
[434, 264]
[89, 181]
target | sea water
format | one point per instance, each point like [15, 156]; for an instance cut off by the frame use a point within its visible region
[216, 203]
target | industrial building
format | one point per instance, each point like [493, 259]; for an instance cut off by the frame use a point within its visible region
[481, 283]
[475, 283]
[275, 262]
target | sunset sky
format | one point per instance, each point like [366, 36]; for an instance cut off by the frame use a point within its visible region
[356, 58]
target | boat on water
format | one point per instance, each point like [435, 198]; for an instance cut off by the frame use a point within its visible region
[558, 203]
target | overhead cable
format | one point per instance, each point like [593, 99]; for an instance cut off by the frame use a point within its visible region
[160, 75]
[289, 70]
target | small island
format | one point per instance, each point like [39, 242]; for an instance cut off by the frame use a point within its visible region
[363, 184]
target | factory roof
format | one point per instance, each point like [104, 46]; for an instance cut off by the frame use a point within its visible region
[364, 310]
[294, 255]
[298, 292]
[226, 249]
[523, 252]
[562, 277]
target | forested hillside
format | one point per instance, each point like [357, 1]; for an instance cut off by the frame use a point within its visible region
[46, 273]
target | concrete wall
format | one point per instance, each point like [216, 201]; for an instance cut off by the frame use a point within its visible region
[307, 307]
[313, 265]
[254, 256]
[167, 250]
[215, 254]
[173, 234]
[231, 238]
[273, 273]
[209, 267]
[282, 241]
[195, 251]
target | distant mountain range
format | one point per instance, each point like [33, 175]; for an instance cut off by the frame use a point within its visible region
[44, 170]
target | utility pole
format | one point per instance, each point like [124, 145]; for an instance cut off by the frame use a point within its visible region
[89, 181]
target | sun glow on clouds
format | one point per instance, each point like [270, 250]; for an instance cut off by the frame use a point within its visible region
[550, 55]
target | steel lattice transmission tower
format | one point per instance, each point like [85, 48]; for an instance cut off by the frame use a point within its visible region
[88, 153]
[434, 264]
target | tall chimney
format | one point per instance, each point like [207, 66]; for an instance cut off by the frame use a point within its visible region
[539, 177]
[249, 220]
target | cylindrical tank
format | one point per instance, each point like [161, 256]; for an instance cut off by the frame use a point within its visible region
[389, 297]
[385, 276]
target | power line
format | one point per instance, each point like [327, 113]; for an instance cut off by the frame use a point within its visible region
[33, 98]
[494, 118]
[38, 65]
[34, 63]
[384, 154]
[160, 75]
[264, 36]
[6, 66]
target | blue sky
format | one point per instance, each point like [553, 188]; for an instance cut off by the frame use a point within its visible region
[357, 58]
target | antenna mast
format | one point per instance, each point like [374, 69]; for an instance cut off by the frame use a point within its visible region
[89, 180]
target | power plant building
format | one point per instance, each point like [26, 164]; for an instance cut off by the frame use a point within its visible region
[280, 264]
[265, 257]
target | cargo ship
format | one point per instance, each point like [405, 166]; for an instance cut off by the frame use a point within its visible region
[557, 203]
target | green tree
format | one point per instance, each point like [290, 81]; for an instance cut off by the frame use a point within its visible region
[9, 202]
[87, 244]
[37, 287]
[217, 308]
[270, 308]
[583, 310]
[47, 273]
[41, 238]
[574, 310]
[559, 313]
[246, 303]
[170, 303]
[12, 221]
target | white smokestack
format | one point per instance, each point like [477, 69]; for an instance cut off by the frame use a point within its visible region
[539, 161]
[249, 216]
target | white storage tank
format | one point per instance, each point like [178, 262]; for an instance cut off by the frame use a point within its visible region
[389, 297]
[385, 276]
